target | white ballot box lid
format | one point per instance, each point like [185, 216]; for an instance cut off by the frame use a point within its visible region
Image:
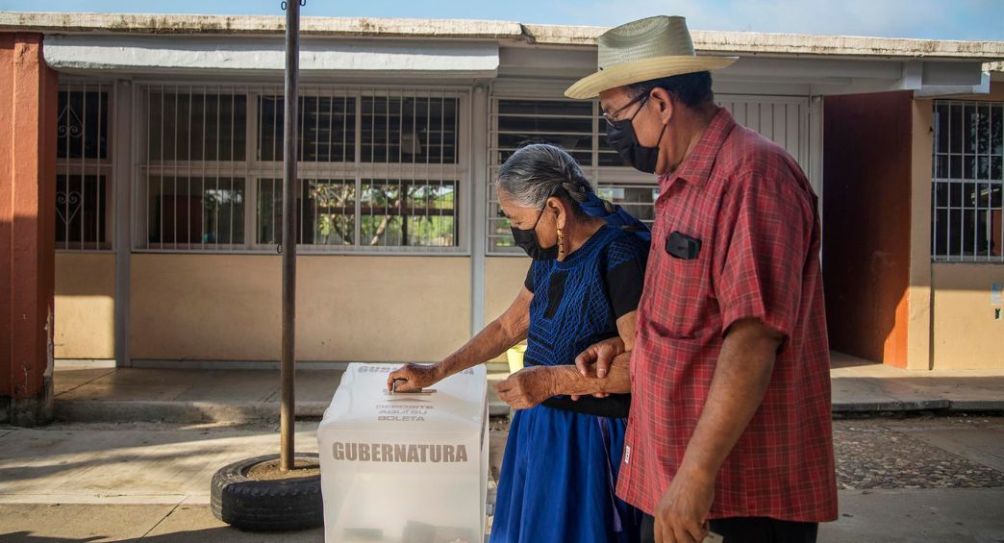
[363, 403]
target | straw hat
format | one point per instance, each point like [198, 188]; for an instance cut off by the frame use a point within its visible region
[643, 50]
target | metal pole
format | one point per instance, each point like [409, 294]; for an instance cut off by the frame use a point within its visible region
[287, 405]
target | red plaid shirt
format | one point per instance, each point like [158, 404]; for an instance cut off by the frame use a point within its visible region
[755, 213]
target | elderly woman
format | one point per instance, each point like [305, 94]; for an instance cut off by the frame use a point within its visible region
[583, 286]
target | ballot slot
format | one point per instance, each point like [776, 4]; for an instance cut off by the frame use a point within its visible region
[405, 466]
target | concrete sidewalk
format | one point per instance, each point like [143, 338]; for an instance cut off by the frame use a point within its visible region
[917, 479]
[860, 386]
[85, 393]
[960, 516]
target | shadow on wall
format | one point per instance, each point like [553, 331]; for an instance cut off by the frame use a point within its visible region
[85, 274]
[84, 306]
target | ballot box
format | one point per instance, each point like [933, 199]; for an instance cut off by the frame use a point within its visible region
[405, 467]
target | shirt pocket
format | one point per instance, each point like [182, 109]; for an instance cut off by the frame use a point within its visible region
[679, 293]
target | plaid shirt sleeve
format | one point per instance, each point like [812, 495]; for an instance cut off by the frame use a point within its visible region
[764, 245]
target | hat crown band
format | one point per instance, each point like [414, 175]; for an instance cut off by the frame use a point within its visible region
[648, 38]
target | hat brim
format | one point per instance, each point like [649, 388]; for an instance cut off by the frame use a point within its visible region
[643, 70]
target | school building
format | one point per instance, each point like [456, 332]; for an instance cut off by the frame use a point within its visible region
[141, 164]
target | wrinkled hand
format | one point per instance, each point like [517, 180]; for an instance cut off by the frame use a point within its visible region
[527, 387]
[595, 361]
[681, 515]
[414, 377]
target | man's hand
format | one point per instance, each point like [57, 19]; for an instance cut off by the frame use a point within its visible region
[681, 515]
[597, 358]
[414, 377]
[527, 387]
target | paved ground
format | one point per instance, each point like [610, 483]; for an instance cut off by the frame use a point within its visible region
[907, 479]
[128, 462]
[98, 476]
[909, 516]
[861, 386]
[950, 452]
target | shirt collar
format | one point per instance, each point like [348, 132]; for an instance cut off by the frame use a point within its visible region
[697, 165]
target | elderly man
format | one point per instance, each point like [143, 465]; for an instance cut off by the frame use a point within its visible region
[730, 422]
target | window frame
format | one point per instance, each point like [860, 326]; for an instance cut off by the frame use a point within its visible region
[252, 170]
[949, 181]
[84, 166]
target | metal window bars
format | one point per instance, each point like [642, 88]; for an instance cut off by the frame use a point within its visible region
[967, 182]
[193, 190]
[379, 170]
[83, 166]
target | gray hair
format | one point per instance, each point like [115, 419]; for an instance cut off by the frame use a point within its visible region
[538, 171]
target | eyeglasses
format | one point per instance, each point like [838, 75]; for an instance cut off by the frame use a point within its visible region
[612, 117]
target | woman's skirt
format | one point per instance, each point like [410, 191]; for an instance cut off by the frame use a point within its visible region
[558, 479]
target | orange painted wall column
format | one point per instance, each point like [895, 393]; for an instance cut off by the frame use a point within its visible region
[28, 103]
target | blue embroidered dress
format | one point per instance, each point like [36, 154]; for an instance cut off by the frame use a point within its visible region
[560, 466]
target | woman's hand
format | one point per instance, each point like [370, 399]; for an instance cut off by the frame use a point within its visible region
[414, 377]
[527, 387]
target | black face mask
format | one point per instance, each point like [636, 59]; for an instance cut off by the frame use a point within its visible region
[527, 240]
[621, 136]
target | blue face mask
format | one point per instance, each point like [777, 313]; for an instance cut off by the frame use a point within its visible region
[527, 240]
[621, 136]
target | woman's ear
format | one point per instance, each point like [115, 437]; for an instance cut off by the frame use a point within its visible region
[560, 209]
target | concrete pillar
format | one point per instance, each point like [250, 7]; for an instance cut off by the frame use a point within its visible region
[28, 102]
[920, 348]
[479, 209]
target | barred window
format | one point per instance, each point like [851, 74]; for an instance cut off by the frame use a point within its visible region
[186, 212]
[567, 124]
[409, 213]
[196, 124]
[575, 126]
[83, 167]
[193, 190]
[968, 180]
[635, 199]
[325, 211]
[397, 129]
[378, 170]
[327, 128]
[392, 212]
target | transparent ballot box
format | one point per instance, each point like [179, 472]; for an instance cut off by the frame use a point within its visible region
[405, 467]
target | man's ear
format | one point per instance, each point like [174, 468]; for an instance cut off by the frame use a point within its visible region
[664, 103]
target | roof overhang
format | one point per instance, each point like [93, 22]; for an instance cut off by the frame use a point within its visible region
[523, 67]
[125, 54]
[463, 49]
